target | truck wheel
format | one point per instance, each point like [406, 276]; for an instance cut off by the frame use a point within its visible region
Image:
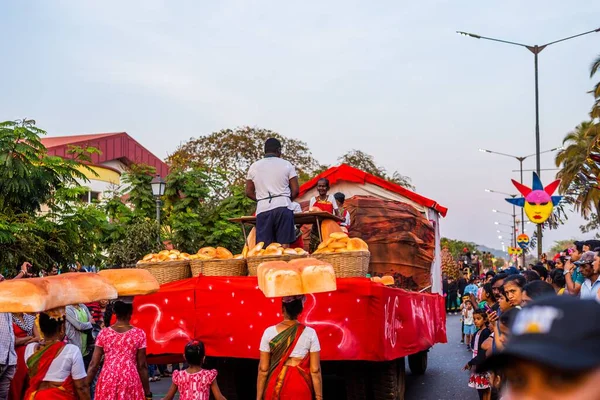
[418, 362]
[388, 380]
[355, 376]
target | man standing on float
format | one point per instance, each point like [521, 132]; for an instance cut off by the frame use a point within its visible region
[273, 183]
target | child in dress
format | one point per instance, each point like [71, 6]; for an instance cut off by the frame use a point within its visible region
[194, 383]
[480, 382]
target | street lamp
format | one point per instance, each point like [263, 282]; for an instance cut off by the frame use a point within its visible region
[158, 189]
[535, 49]
[513, 215]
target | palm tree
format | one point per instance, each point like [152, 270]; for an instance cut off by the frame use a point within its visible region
[579, 163]
[596, 108]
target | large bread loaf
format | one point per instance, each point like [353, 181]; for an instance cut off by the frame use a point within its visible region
[131, 281]
[300, 276]
[41, 294]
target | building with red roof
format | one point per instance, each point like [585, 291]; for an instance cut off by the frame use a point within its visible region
[118, 151]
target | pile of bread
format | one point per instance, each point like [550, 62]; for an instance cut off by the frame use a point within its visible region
[165, 255]
[299, 276]
[40, 294]
[274, 249]
[205, 253]
[219, 253]
[339, 242]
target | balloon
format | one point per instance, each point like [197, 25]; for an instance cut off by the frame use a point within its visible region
[537, 201]
[523, 241]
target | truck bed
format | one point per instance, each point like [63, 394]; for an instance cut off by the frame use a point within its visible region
[362, 320]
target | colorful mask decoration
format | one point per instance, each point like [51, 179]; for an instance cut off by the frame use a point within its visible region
[523, 241]
[537, 200]
[515, 251]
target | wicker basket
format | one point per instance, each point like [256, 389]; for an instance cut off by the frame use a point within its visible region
[254, 262]
[168, 271]
[349, 264]
[219, 267]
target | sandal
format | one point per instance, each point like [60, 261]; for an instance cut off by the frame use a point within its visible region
[166, 374]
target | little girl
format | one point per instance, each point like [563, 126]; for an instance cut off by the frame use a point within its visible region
[479, 381]
[469, 327]
[194, 383]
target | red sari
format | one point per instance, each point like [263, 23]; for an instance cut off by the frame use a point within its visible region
[19, 381]
[38, 365]
[286, 382]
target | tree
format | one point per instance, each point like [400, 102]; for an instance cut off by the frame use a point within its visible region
[139, 191]
[456, 247]
[500, 262]
[560, 245]
[230, 152]
[365, 162]
[595, 114]
[578, 163]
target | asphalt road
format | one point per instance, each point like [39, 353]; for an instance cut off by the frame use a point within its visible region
[444, 379]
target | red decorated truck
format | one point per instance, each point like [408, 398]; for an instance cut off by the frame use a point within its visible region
[367, 331]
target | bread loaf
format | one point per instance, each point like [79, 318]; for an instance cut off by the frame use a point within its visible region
[131, 281]
[299, 276]
[41, 294]
[317, 276]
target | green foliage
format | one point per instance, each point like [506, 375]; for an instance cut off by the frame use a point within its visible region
[140, 238]
[456, 246]
[500, 262]
[137, 186]
[365, 162]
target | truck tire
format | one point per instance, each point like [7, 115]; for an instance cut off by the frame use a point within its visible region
[356, 377]
[418, 362]
[388, 380]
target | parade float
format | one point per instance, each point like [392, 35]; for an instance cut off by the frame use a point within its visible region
[367, 327]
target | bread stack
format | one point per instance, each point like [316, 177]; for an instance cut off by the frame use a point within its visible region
[274, 249]
[339, 242]
[41, 294]
[219, 253]
[165, 255]
[299, 276]
[131, 281]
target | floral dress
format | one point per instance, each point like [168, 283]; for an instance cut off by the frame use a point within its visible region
[478, 381]
[119, 378]
[194, 386]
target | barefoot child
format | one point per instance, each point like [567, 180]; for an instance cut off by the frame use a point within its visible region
[479, 381]
[194, 383]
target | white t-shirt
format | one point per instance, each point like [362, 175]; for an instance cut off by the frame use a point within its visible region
[308, 342]
[271, 177]
[330, 199]
[68, 362]
[468, 316]
[295, 207]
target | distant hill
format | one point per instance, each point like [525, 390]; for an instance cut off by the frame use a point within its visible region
[495, 252]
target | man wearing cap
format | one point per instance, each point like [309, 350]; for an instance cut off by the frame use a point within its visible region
[588, 265]
[551, 354]
[273, 183]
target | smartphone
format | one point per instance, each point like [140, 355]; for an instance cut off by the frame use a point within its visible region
[487, 308]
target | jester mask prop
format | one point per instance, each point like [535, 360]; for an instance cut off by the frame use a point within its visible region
[515, 251]
[537, 200]
[523, 241]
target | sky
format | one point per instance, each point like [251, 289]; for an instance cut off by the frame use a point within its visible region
[390, 78]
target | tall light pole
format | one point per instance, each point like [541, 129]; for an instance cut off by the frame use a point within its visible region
[520, 160]
[535, 49]
[158, 189]
[513, 215]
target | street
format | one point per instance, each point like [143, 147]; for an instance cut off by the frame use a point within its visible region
[444, 379]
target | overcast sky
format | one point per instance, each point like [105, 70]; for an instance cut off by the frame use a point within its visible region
[391, 78]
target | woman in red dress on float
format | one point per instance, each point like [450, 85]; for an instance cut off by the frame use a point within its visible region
[324, 202]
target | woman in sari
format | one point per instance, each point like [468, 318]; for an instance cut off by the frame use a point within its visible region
[25, 332]
[290, 358]
[56, 370]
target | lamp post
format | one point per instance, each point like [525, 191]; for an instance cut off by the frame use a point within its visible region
[158, 189]
[535, 49]
[513, 215]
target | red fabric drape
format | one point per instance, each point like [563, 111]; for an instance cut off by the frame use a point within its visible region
[362, 320]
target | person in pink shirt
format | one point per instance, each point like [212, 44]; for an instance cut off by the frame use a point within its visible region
[195, 382]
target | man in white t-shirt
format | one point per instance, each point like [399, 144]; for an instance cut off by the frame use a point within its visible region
[273, 183]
